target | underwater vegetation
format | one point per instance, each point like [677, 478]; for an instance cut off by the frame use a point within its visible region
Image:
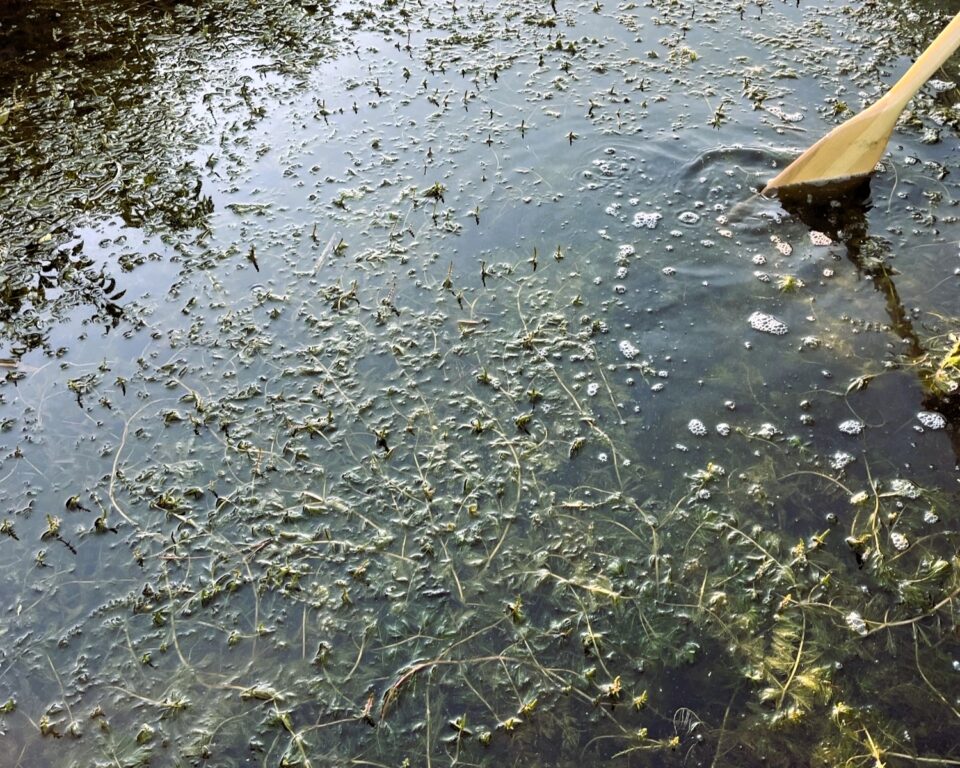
[423, 383]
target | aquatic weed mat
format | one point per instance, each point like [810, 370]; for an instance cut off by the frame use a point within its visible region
[476, 421]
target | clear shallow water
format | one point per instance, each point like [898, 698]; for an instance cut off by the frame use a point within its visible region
[358, 470]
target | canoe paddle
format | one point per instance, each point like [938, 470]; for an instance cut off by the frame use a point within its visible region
[851, 150]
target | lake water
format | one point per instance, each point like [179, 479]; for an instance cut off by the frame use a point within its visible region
[425, 383]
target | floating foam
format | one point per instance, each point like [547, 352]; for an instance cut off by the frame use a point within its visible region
[628, 350]
[855, 621]
[931, 419]
[902, 487]
[689, 217]
[760, 321]
[646, 219]
[785, 248]
[767, 431]
[696, 428]
[787, 117]
[851, 427]
[899, 541]
[841, 460]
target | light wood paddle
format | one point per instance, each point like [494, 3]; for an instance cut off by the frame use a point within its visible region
[852, 149]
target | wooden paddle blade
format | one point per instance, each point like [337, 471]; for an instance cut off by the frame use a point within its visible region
[849, 150]
[852, 149]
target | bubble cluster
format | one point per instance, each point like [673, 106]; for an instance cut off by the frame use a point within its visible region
[723, 429]
[841, 460]
[931, 419]
[818, 238]
[628, 350]
[593, 388]
[785, 248]
[689, 217]
[899, 541]
[851, 427]
[767, 431]
[697, 428]
[625, 251]
[761, 321]
[855, 621]
[646, 219]
[787, 117]
[903, 487]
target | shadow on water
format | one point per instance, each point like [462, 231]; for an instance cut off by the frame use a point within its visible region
[84, 137]
[841, 213]
[93, 129]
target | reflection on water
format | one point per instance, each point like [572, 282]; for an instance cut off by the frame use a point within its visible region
[381, 388]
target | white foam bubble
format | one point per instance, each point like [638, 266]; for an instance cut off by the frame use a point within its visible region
[697, 428]
[767, 431]
[851, 427]
[841, 459]
[628, 350]
[760, 321]
[855, 621]
[931, 419]
[646, 219]
[787, 117]
[899, 541]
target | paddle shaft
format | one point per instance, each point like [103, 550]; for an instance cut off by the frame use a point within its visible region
[941, 49]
